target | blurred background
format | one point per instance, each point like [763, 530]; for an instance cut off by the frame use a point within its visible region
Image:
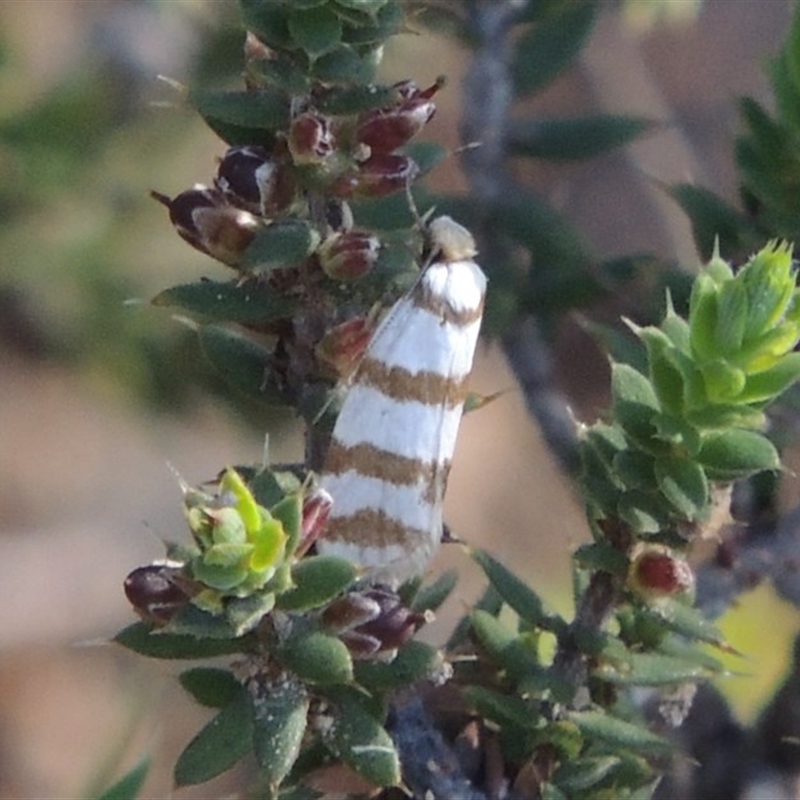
[101, 395]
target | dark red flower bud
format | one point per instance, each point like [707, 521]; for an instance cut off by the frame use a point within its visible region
[656, 571]
[310, 138]
[383, 130]
[373, 622]
[203, 218]
[349, 255]
[252, 179]
[379, 175]
[342, 347]
[316, 510]
[155, 592]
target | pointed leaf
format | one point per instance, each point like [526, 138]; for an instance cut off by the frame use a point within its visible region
[210, 686]
[280, 718]
[569, 138]
[688, 621]
[281, 244]
[266, 109]
[224, 741]
[141, 638]
[684, 484]
[232, 301]
[431, 596]
[317, 580]
[315, 30]
[358, 739]
[415, 661]
[617, 732]
[551, 46]
[241, 361]
[652, 669]
[582, 774]
[735, 454]
[129, 785]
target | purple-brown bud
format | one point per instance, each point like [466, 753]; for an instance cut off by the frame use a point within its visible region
[156, 593]
[383, 130]
[311, 139]
[372, 623]
[251, 178]
[316, 510]
[203, 218]
[379, 175]
[349, 255]
[656, 571]
[342, 347]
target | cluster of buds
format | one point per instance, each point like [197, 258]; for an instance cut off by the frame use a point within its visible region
[241, 545]
[372, 622]
[251, 187]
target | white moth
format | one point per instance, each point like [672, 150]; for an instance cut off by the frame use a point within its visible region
[393, 441]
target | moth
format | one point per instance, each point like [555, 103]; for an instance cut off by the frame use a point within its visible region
[394, 438]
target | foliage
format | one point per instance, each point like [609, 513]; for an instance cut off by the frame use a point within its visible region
[312, 205]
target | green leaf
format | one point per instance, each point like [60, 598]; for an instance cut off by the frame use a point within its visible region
[635, 405]
[232, 301]
[289, 512]
[581, 774]
[567, 139]
[683, 482]
[269, 21]
[712, 218]
[772, 382]
[141, 638]
[200, 624]
[317, 580]
[210, 686]
[433, 595]
[414, 662]
[389, 21]
[652, 669]
[224, 741]
[734, 454]
[315, 30]
[617, 732]
[241, 361]
[318, 658]
[344, 100]
[280, 245]
[358, 739]
[601, 556]
[500, 708]
[514, 591]
[266, 109]
[129, 785]
[426, 155]
[505, 645]
[280, 719]
[551, 45]
[343, 65]
[687, 621]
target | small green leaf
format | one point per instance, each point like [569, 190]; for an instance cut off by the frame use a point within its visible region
[266, 109]
[289, 512]
[635, 405]
[210, 686]
[581, 774]
[317, 580]
[415, 661]
[687, 621]
[431, 596]
[617, 732]
[551, 45]
[500, 708]
[269, 21]
[601, 556]
[280, 245]
[652, 669]
[224, 741]
[129, 785]
[200, 624]
[567, 139]
[318, 658]
[514, 591]
[734, 454]
[713, 219]
[505, 645]
[683, 482]
[344, 100]
[280, 718]
[232, 301]
[343, 65]
[772, 382]
[241, 361]
[315, 30]
[244, 613]
[141, 638]
[426, 155]
[358, 739]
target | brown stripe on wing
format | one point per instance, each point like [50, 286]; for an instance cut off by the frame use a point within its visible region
[370, 527]
[374, 462]
[423, 297]
[424, 386]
